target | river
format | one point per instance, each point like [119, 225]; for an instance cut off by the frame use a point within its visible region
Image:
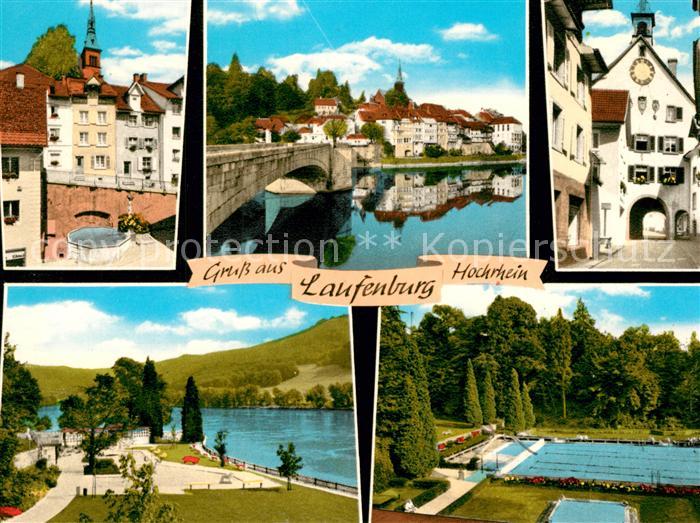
[394, 215]
[325, 439]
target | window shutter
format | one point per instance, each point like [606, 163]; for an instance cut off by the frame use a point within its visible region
[680, 145]
[140, 143]
[107, 162]
[679, 113]
[630, 173]
[650, 170]
[155, 143]
[680, 174]
[661, 174]
[126, 142]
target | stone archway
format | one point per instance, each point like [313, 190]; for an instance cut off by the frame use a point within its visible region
[641, 209]
[682, 225]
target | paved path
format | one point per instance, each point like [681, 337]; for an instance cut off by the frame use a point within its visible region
[458, 488]
[649, 254]
[61, 495]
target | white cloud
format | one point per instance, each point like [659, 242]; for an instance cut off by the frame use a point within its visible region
[664, 24]
[623, 290]
[163, 46]
[4, 64]
[607, 321]
[292, 318]
[612, 46]
[692, 27]
[210, 319]
[255, 10]
[605, 18]
[149, 327]
[170, 15]
[125, 51]
[467, 31]
[378, 48]
[349, 67]
[161, 67]
[504, 96]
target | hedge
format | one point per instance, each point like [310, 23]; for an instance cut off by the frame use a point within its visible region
[435, 488]
[459, 447]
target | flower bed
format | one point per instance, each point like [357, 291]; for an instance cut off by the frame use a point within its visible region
[133, 222]
[452, 447]
[604, 486]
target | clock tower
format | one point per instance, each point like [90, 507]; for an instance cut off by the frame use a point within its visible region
[643, 22]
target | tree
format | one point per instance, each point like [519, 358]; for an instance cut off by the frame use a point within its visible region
[488, 399]
[54, 54]
[434, 151]
[98, 415]
[191, 415]
[558, 346]
[291, 136]
[128, 375]
[373, 131]
[404, 415]
[290, 465]
[141, 501]
[502, 149]
[383, 468]
[317, 396]
[151, 408]
[473, 414]
[288, 95]
[21, 396]
[515, 419]
[220, 445]
[335, 129]
[388, 149]
[396, 98]
[528, 411]
[325, 85]
[341, 395]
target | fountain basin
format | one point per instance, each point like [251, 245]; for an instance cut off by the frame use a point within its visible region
[97, 245]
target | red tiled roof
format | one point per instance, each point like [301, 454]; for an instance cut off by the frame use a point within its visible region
[22, 114]
[326, 101]
[304, 130]
[162, 89]
[609, 106]
[357, 136]
[485, 116]
[147, 103]
[270, 124]
[66, 87]
[32, 77]
[504, 120]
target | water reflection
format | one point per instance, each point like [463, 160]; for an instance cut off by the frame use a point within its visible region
[389, 218]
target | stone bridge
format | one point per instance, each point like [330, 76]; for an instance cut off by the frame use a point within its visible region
[236, 173]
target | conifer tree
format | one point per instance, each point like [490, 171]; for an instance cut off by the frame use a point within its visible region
[488, 399]
[151, 408]
[472, 407]
[528, 411]
[515, 419]
[191, 415]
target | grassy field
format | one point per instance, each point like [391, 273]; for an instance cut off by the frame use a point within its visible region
[310, 375]
[641, 434]
[176, 452]
[454, 159]
[210, 506]
[403, 493]
[447, 428]
[524, 504]
[326, 344]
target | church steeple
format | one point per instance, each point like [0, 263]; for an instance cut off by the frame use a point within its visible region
[91, 37]
[643, 21]
[90, 58]
[399, 83]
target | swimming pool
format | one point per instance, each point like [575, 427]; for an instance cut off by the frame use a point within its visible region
[586, 511]
[615, 462]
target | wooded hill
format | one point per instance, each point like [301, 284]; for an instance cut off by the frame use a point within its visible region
[323, 349]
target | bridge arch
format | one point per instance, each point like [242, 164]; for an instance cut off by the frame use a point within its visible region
[648, 219]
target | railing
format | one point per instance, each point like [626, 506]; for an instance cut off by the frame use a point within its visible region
[125, 183]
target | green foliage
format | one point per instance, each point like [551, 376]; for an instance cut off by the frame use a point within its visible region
[98, 414]
[23, 488]
[341, 395]
[220, 446]
[528, 411]
[20, 393]
[141, 502]
[473, 414]
[335, 129]
[290, 464]
[453, 448]
[404, 415]
[192, 431]
[488, 399]
[514, 416]
[383, 468]
[102, 467]
[133, 222]
[151, 407]
[324, 85]
[502, 149]
[396, 98]
[337, 252]
[373, 131]
[388, 150]
[291, 136]
[434, 151]
[54, 54]
[317, 396]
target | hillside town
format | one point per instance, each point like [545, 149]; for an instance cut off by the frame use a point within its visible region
[409, 129]
[624, 156]
[81, 156]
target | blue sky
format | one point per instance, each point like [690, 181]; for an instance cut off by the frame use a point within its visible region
[464, 53]
[91, 327]
[135, 35]
[614, 306]
[676, 28]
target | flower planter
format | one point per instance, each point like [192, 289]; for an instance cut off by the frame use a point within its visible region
[54, 164]
[10, 176]
[10, 220]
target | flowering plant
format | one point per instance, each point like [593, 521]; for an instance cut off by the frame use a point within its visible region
[133, 222]
[669, 179]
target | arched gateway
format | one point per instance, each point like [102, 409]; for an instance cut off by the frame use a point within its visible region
[642, 209]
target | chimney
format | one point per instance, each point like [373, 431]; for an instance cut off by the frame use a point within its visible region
[20, 81]
[673, 65]
[136, 77]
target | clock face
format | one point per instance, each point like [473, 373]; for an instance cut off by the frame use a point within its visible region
[642, 71]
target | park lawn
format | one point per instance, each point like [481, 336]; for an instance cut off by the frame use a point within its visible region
[612, 433]
[454, 159]
[301, 504]
[524, 504]
[176, 452]
[404, 494]
[448, 428]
